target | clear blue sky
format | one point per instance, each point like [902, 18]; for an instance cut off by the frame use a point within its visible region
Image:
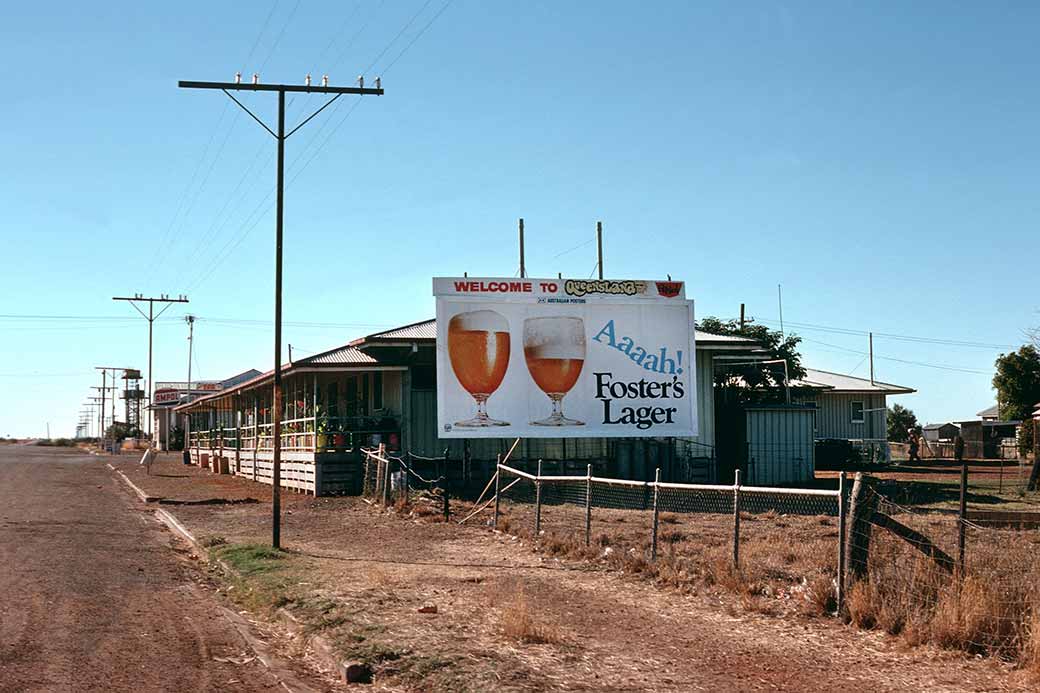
[880, 161]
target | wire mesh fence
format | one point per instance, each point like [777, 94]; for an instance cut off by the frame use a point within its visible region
[783, 540]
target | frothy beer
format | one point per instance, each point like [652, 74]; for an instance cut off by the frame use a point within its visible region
[478, 346]
[554, 349]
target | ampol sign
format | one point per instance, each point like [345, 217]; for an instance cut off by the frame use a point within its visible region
[564, 358]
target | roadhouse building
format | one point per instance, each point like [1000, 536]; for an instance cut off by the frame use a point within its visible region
[382, 389]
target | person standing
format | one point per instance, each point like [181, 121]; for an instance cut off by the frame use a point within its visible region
[914, 446]
[958, 449]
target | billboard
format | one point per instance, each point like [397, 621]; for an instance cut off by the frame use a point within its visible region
[564, 358]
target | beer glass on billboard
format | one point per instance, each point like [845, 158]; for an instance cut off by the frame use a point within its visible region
[554, 349]
[478, 346]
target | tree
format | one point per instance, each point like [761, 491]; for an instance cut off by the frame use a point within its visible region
[754, 382]
[901, 420]
[1017, 383]
[120, 431]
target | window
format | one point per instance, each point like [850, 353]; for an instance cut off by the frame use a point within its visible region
[857, 412]
[377, 390]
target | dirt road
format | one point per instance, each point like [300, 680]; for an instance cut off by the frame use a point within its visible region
[92, 598]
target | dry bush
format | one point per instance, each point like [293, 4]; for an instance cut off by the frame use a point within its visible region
[820, 595]
[520, 623]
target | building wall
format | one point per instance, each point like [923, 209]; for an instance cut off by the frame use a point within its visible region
[834, 415]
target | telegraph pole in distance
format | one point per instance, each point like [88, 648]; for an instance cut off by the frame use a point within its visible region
[280, 136]
[163, 298]
[599, 247]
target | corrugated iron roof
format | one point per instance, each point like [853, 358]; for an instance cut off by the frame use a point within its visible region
[989, 413]
[349, 355]
[847, 383]
[427, 330]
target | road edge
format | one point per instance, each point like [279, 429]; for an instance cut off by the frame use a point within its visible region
[321, 646]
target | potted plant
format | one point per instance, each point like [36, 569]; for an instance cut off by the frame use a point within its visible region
[321, 427]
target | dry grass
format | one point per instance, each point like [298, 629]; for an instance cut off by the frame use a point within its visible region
[696, 552]
[521, 623]
[993, 609]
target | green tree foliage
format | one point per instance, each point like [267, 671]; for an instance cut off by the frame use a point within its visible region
[120, 431]
[901, 420]
[1017, 383]
[757, 382]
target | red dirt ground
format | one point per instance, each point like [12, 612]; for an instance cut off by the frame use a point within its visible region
[609, 632]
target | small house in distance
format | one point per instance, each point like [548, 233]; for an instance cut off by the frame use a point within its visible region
[990, 438]
[935, 433]
[850, 408]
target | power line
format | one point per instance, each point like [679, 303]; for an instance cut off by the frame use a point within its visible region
[417, 36]
[939, 366]
[889, 335]
[264, 206]
[169, 236]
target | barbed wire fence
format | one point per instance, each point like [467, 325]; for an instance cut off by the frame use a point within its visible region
[942, 577]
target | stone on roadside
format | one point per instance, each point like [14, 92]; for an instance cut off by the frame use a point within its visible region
[355, 672]
[428, 609]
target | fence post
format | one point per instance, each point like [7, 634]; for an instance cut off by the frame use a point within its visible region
[588, 505]
[861, 511]
[657, 493]
[498, 485]
[538, 501]
[961, 512]
[736, 519]
[841, 543]
[447, 486]
[407, 469]
[386, 474]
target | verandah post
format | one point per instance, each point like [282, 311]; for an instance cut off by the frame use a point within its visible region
[538, 500]
[736, 519]
[588, 505]
[657, 493]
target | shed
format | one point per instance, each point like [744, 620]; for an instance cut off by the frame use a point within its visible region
[940, 431]
[780, 444]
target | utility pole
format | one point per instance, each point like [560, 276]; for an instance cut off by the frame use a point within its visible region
[871, 358]
[190, 319]
[741, 317]
[163, 298]
[186, 456]
[599, 247]
[280, 136]
[523, 269]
